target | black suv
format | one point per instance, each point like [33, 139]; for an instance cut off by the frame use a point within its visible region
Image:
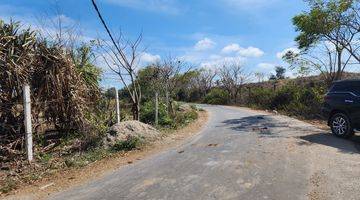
[342, 107]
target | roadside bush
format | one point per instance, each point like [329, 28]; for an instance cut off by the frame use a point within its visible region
[284, 97]
[148, 114]
[129, 144]
[184, 118]
[217, 96]
[261, 98]
[307, 102]
[293, 99]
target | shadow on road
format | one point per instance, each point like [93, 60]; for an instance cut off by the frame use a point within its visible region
[263, 125]
[254, 123]
[344, 145]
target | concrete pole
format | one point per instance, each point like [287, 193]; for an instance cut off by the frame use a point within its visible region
[156, 108]
[117, 106]
[167, 101]
[27, 122]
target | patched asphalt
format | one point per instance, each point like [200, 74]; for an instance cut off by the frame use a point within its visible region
[240, 154]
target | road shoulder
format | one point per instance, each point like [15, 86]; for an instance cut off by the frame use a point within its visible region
[332, 162]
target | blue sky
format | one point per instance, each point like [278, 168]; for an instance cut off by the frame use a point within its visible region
[202, 32]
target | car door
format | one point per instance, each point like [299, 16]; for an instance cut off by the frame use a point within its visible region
[354, 103]
[341, 98]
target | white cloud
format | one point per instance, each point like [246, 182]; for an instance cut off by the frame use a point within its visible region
[204, 44]
[231, 48]
[281, 54]
[241, 51]
[162, 6]
[266, 66]
[147, 58]
[251, 52]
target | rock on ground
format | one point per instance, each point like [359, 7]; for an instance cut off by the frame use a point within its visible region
[121, 131]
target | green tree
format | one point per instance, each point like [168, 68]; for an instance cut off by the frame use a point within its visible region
[280, 72]
[272, 77]
[149, 81]
[328, 22]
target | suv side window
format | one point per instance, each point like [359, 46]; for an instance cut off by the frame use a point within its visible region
[338, 87]
[355, 88]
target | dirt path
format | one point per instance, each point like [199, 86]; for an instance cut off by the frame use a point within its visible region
[70, 178]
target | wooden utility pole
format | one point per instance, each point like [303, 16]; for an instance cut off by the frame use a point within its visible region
[156, 108]
[117, 106]
[27, 122]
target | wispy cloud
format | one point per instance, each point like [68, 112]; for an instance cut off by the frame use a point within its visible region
[159, 6]
[8, 12]
[266, 66]
[216, 62]
[248, 4]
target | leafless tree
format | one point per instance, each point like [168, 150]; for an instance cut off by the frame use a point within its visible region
[233, 77]
[54, 26]
[259, 76]
[122, 57]
[169, 76]
[205, 80]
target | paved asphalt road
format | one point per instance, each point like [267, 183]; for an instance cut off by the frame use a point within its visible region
[240, 154]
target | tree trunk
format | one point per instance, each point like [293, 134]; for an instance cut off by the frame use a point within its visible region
[235, 97]
[136, 110]
[339, 65]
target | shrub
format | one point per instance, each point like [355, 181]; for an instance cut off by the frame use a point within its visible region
[261, 98]
[129, 144]
[217, 96]
[9, 185]
[183, 118]
[148, 114]
[307, 102]
[283, 97]
[293, 99]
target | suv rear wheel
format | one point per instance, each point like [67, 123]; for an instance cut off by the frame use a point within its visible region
[340, 125]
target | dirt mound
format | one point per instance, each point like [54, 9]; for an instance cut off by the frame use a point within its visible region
[185, 108]
[121, 131]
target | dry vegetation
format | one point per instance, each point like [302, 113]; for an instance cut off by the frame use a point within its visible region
[59, 91]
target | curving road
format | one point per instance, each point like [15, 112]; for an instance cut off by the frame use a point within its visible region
[240, 154]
